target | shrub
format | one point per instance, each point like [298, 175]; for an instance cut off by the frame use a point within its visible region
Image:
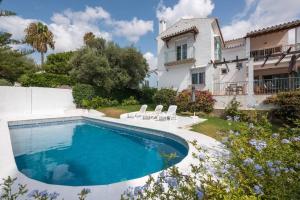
[82, 92]
[98, 102]
[288, 106]
[45, 80]
[165, 97]
[232, 109]
[260, 165]
[146, 95]
[130, 101]
[4, 82]
[204, 101]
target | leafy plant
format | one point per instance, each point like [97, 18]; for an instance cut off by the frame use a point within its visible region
[6, 189]
[232, 109]
[58, 63]
[98, 102]
[165, 97]
[260, 165]
[204, 101]
[288, 106]
[130, 101]
[45, 80]
[4, 82]
[82, 92]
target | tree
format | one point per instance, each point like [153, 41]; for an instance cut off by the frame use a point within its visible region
[90, 68]
[40, 38]
[13, 64]
[88, 37]
[135, 65]
[58, 63]
[5, 13]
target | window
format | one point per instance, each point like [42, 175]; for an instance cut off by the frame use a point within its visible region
[218, 48]
[181, 52]
[198, 78]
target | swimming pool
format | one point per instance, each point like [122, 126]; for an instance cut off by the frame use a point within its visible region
[85, 152]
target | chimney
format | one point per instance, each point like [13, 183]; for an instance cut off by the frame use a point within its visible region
[162, 26]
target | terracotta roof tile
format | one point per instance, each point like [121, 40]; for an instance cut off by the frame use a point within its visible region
[275, 28]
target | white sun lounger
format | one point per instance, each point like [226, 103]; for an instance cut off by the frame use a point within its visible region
[140, 113]
[155, 114]
[170, 114]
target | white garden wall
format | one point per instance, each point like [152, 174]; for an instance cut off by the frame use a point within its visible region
[223, 101]
[16, 101]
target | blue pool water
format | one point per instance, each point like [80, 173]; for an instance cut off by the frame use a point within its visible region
[84, 152]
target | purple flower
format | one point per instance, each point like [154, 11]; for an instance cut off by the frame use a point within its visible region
[137, 190]
[229, 118]
[236, 118]
[242, 150]
[275, 135]
[257, 189]
[296, 139]
[270, 164]
[43, 193]
[258, 167]
[258, 144]
[236, 133]
[53, 195]
[33, 193]
[201, 156]
[199, 194]
[248, 161]
[172, 182]
[285, 141]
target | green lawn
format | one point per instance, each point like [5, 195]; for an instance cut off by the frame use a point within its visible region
[116, 111]
[215, 127]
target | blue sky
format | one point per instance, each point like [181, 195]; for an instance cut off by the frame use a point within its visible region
[136, 21]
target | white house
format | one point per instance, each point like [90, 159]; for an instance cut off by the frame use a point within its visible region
[192, 52]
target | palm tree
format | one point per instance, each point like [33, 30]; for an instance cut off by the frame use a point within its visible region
[39, 37]
[88, 37]
[4, 13]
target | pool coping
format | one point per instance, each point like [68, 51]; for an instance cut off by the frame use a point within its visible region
[111, 191]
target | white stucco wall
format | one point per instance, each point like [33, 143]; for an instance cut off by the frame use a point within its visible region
[32, 100]
[223, 101]
[179, 76]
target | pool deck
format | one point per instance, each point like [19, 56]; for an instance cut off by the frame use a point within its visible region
[177, 127]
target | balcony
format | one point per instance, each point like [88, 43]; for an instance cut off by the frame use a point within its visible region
[279, 49]
[260, 87]
[178, 57]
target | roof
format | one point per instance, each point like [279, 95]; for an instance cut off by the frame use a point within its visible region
[237, 42]
[184, 26]
[179, 26]
[276, 28]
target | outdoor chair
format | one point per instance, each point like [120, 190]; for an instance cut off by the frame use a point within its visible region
[170, 114]
[140, 113]
[155, 114]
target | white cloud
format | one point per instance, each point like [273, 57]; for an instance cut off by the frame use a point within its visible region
[134, 29]
[152, 60]
[70, 26]
[185, 9]
[265, 13]
[15, 25]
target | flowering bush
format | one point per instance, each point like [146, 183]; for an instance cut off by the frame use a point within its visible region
[204, 101]
[7, 192]
[261, 165]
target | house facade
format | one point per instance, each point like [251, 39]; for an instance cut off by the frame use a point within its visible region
[193, 53]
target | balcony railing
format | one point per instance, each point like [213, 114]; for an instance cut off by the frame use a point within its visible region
[173, 57]
[271, 86]
[278, 49]
[231, 88]
[265, 86]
